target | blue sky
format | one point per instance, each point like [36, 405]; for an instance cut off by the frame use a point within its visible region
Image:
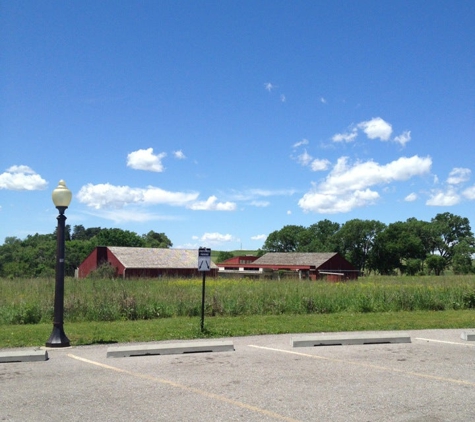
[218, 122]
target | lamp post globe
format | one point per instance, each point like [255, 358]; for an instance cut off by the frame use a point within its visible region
[61, 198]
[61, 195]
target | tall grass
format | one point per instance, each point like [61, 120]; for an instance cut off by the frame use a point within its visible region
[30, 301]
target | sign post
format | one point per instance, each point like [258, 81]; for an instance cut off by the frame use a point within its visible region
[204, 264]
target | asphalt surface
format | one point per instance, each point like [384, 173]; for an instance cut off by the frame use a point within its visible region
[264, 379]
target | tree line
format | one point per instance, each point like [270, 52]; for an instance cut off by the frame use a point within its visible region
[410, 247]
[34, 256]
[406, 247]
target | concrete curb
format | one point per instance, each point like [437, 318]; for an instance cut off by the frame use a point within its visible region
[170, 349]
[348, 339]
[24, 356]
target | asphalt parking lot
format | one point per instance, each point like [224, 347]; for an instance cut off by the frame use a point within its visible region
[432, 378]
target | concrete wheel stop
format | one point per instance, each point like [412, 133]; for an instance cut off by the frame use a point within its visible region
[348, 339]
[171, 348]
[23, 356]
[468, 336]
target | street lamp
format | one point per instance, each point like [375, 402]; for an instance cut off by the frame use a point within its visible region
[61, 198]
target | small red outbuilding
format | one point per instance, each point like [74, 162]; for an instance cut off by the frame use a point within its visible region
[330, 266]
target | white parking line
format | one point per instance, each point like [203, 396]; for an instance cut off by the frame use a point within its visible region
[218, 397]
[446, 342]
[372, 366]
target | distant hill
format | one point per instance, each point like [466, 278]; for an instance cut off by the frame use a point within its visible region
[214, 254]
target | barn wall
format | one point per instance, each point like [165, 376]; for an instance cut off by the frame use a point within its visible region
[88, 265]
[239, 260]
[167, 273]
[96, 258]
[338, 264]
[112, 259]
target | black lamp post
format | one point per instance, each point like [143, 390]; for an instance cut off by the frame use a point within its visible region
[61, 198]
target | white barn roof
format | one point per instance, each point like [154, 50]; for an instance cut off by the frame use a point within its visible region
[156, 257]
[294, 258]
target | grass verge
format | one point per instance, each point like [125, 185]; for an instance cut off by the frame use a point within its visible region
[178, 328]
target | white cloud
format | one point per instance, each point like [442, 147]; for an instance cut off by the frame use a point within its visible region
[319, 165]
[325, 203]
[347, 186]
[209, 239]
[211, 204]
[289, 212]
[304, 159]
[22, 178]
[403, 138]
[254, 194]
[345, 177]
[277, 192]
[145, 159]
[300, 143]
[283, 98]
[135, 215]
[345, 137]
[153, 195]
[269, 87]
[259, 237]
[322, 100]
[179, 154]
[458, 175]
[20, 170]
[105, 195]
[376, 128]
[451, 194]
[443, 199]
[469, 193]
[411, 197]
[260, 204]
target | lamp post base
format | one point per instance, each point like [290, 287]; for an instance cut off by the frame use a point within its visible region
[58, 338]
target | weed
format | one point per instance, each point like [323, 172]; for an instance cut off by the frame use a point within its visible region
[30, 301]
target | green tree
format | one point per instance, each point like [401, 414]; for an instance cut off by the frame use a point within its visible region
[436, 264]
[402, 245]
[32, 257]
[451, 230]
[287, 239]
[320, 237]
[426, 234]
[118, 237]
[81, 233]
[462, 258]
[223, 256]
[413, 266]
[10, 254]
[355, 240]
[156, 240]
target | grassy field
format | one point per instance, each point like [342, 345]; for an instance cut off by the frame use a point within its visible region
[137, 310]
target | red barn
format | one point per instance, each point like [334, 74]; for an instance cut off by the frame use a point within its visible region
[145, 262]
[330, 266]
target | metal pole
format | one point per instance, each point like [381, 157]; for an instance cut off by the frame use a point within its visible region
[203, 302]
[58, 338]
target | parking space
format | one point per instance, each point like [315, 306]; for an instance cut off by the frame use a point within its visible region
[264, 379]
